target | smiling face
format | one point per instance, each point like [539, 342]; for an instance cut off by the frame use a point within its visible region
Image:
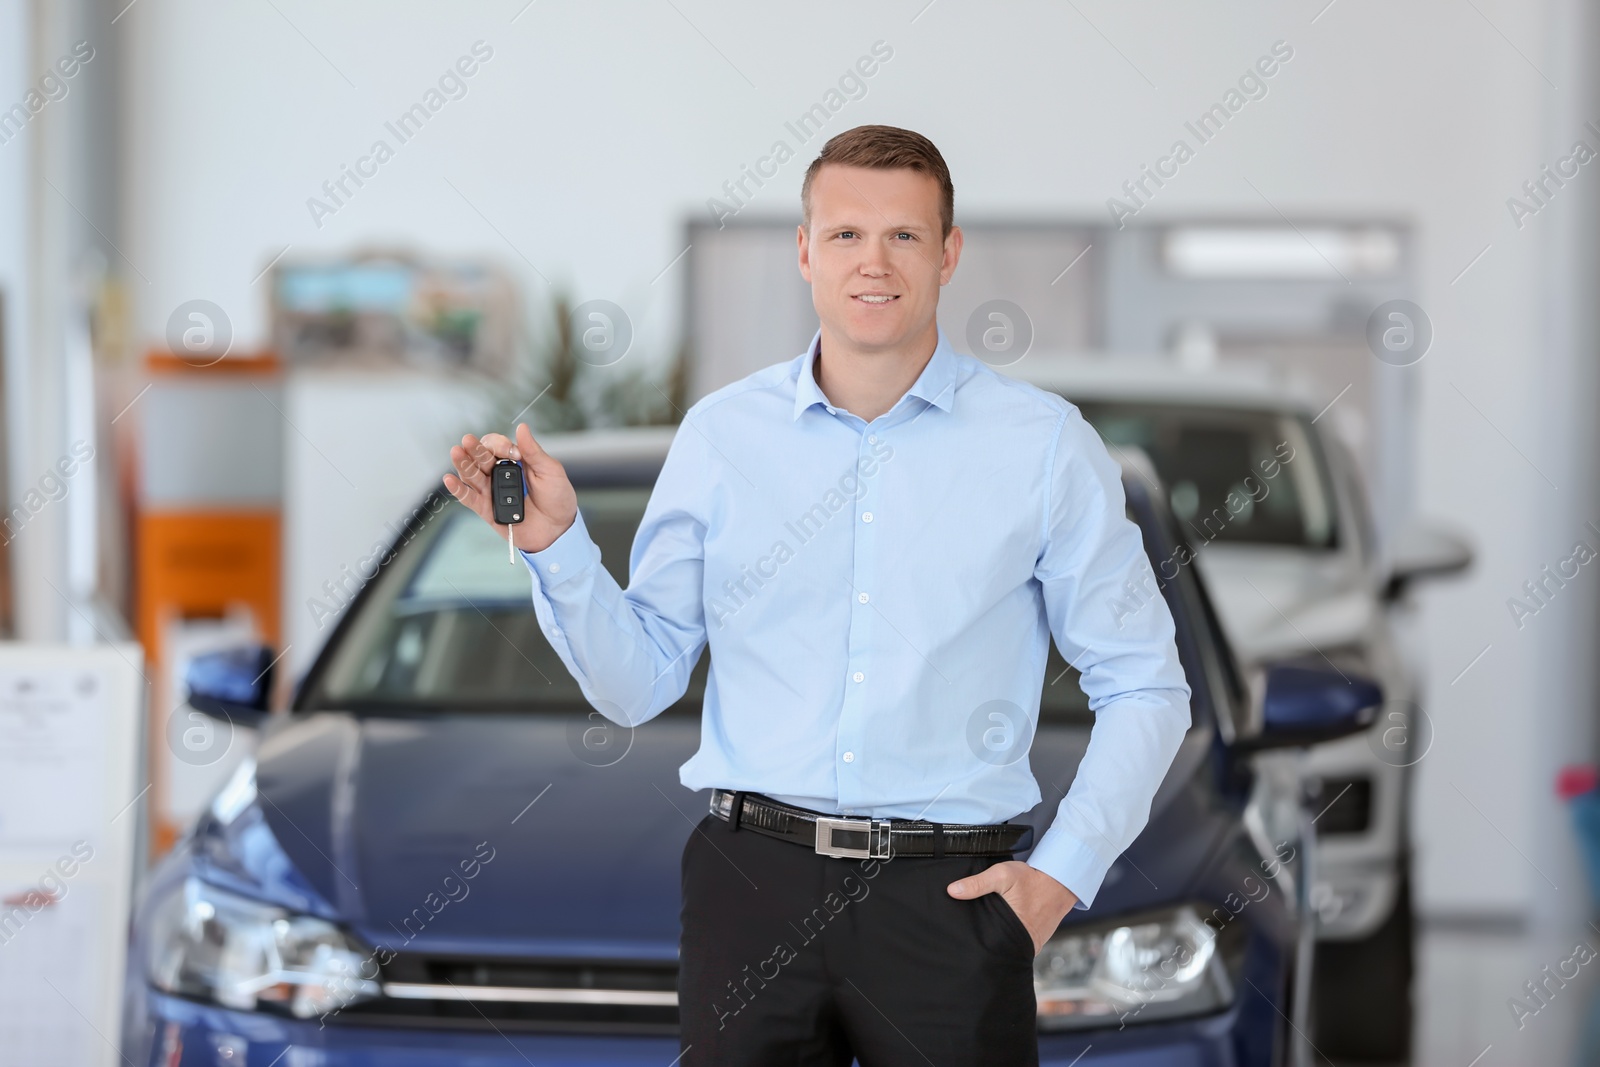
[875, 257]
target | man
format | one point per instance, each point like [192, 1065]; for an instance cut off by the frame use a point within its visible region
[876, 539]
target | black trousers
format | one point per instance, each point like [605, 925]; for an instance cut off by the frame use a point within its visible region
[792, 959]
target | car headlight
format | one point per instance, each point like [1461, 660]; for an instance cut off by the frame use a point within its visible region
[1161, 966]
[240, 953]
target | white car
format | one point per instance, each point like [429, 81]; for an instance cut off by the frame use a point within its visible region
[1279, 522]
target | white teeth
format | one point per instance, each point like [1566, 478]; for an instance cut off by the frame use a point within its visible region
[876, 299]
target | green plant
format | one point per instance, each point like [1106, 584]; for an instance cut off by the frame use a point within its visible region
[576, 395]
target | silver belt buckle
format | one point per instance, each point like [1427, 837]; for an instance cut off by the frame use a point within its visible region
[877, 830]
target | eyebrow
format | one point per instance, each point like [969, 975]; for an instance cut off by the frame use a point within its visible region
[895, 227]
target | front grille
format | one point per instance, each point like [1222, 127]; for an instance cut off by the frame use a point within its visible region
[558, 995]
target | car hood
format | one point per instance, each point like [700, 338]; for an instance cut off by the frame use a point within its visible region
[489, 835]
[1277, 601]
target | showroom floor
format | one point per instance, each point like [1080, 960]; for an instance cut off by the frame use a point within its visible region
[1469, 974]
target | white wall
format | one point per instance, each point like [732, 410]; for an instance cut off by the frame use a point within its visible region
[348, 490]
[595, 129]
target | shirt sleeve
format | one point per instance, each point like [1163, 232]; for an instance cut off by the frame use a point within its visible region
[632, 651]
[1109, 620]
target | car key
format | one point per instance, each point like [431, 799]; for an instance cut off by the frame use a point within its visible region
[506, 479]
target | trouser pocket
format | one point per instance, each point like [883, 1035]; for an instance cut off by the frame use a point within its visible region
[1012, 922]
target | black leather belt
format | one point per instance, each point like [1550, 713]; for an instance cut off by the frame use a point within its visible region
[863, 838]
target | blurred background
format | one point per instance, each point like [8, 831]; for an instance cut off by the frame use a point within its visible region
[262, 262]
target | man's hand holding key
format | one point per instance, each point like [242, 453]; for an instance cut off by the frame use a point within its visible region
[551, 505]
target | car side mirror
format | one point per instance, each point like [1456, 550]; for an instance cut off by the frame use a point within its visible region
[1310, 705]
[234, 684]
[1424, 550]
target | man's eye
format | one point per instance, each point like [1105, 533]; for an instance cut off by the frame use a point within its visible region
[846, 233]
[902, 233]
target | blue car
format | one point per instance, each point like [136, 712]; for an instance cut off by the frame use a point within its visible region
[441, 854]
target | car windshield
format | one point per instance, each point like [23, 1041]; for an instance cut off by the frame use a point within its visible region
[449, 625]
[450, 622]
[1233, 475]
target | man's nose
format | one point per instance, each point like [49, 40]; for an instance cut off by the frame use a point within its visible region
[875, 264]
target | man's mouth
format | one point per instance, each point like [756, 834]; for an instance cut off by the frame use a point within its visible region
[875, 298]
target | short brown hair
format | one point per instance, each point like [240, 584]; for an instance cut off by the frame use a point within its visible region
[884, 148]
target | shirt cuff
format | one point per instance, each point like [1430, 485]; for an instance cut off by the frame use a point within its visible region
[566, 558]
[1073, 864]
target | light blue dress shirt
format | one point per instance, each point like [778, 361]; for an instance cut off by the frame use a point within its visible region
[872, 592]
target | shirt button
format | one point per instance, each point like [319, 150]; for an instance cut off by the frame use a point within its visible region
[858, 676]
[849, 757]
[861, 597]
[866, 516]
[872, 438]
[555, 568]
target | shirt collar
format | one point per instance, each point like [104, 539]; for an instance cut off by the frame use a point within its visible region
[936, 384]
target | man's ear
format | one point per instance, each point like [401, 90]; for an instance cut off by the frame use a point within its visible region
[952, 255]
[802, 240]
